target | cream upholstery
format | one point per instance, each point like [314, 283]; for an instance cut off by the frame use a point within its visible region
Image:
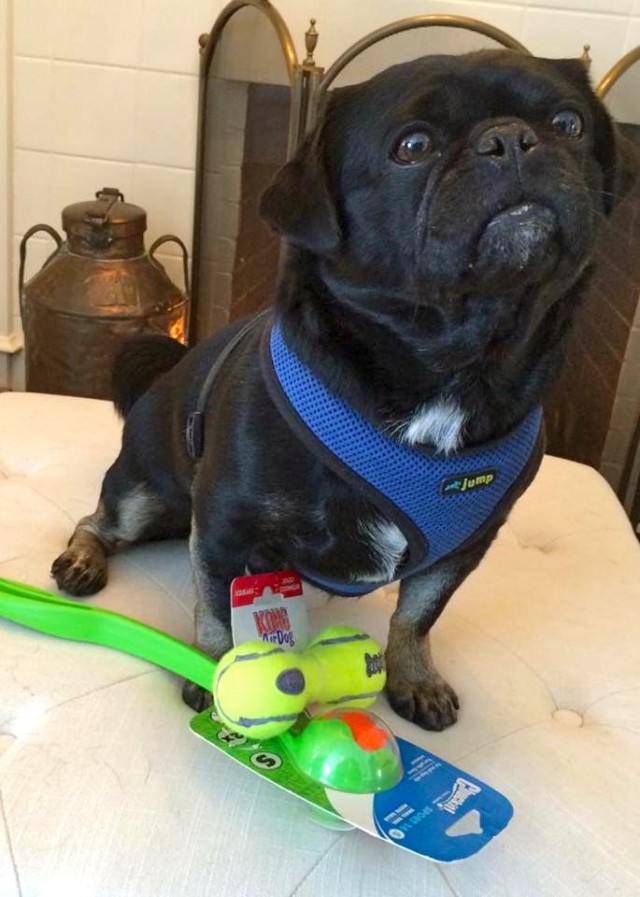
[104, 791]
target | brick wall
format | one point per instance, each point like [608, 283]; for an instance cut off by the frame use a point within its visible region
[593, 410]
[222, 188]
[265, 150]
[246, 143]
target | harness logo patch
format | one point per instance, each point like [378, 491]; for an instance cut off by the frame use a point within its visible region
[467, 482]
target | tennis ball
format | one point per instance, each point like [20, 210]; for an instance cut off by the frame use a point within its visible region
[259, 689]
[352, 664]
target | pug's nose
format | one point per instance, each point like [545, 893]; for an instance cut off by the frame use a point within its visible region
[507, 140]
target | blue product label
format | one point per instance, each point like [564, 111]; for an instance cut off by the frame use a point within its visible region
[437, 810]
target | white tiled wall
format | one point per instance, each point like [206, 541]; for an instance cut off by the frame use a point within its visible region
[105, 93]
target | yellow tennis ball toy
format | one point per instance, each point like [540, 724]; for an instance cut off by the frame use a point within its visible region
[260, 690]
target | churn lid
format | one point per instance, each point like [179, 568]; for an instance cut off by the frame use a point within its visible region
[106, 227]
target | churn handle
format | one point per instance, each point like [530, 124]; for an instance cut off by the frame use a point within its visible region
[170, 238]
[53, 233]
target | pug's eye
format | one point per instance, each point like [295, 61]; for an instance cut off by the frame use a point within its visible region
[568, 122]
[413, 147]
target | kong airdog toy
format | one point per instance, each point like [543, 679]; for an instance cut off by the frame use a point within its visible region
[260, 690]
[345, 762]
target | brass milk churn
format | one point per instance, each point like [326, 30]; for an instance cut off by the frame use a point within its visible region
[95, 291]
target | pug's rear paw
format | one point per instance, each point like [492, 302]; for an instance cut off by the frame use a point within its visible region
[196, 697]
[430, 703]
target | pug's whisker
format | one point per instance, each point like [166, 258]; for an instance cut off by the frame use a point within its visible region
[608, 193]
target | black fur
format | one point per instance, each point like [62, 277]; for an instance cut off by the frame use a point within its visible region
[138, 363]
[453, 279]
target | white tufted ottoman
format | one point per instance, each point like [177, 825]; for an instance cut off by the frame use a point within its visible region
[104, 791]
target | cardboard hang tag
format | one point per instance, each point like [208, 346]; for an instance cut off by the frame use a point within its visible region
[436, 811]
[270, 607]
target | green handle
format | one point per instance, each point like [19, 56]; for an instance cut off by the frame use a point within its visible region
[84, 623]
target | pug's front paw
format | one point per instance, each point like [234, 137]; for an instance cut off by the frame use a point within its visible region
[430, 703]
[80, 571]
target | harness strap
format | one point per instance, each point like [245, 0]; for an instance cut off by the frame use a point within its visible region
[195, 422]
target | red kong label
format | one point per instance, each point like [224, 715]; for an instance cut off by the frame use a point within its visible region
[248, 589]
[270, 607]
[273, 625]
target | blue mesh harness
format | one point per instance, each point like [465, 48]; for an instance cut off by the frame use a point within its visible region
[439, 503]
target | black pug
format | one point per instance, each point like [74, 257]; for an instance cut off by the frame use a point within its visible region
[439, 223]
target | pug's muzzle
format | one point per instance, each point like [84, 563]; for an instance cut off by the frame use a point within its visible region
[517, 211]
[519, 235]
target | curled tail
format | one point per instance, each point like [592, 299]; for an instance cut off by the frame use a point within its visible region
[138, 363]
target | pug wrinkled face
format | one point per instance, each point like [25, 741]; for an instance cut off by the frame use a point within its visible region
[487, 172]
[458, 174]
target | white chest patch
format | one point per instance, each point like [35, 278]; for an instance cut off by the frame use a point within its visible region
[441, 424]
[388, 543]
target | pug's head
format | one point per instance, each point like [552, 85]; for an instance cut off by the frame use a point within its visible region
[453, 176]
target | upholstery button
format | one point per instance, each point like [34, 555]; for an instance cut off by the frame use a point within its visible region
[570, 718]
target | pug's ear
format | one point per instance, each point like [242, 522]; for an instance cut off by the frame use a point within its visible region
[300, 203]
[573, 70]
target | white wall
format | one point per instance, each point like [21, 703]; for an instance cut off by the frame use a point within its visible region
[104, 94]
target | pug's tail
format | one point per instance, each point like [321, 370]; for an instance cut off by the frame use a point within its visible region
[138, 363]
